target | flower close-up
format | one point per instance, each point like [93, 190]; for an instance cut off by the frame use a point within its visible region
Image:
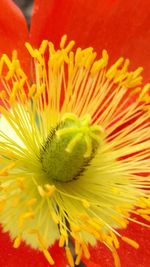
[74, 134]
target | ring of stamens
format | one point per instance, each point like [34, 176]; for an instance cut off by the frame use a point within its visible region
[73, 87]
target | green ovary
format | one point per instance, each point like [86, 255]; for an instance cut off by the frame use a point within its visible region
[69, 148]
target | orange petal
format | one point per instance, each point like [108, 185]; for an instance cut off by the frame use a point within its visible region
[13, 30]
[122, 27]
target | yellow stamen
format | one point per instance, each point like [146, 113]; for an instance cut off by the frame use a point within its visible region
[48, 256]
[116, 258]
[131, 242]
[69, 256]
[79, 256]
[62, 240]
[17, 241]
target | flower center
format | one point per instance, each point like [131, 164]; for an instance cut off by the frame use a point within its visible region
[69, 148]
[48, 141]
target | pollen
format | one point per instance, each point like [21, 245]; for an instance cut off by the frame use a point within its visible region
[75, 149]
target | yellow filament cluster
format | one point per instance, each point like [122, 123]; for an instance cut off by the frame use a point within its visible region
[63, 83]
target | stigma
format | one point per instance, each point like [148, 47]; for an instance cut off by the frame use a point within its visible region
[69, 148]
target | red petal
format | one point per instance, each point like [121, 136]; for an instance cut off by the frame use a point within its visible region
[128, 256]
[24, 256]
[13, 29]
[122, 27]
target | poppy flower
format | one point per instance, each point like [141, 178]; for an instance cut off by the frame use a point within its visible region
[74, 134]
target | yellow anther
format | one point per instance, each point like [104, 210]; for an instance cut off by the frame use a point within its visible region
[48, 256]
[62, 240]
[101, 63]
[86, 57]
[41, 191]
[78, 55]
[75, 228]
[145, 90]
[135, 82]
[137, 72]
[7, 61]
[17, 241]
[105, 57]
[144, 211]
[130, 242]
[126, 65]
[79, 256]
[63, 41]
[77, 247]
[69, 256]
[85, 250]
[70, 67]
[89, 60]
[14, 55]
[122, 74]
[51, 49]
[15, 66]
[70, 46]
[97, 66]
[30, 49]
[50, 189]
[118, 62]
[113, 69]
[43, 47]
[116, 258]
